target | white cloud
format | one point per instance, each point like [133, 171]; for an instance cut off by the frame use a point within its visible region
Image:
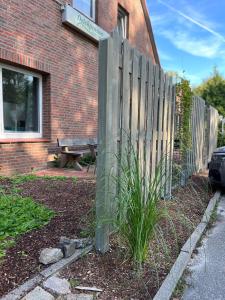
[196, 22]
[164, 56]
[204, 47]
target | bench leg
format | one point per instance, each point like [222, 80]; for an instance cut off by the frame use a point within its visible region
[63, 161]
[77, 166]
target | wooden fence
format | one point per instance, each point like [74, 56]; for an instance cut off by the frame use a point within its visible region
[204, 126]
[136, 104]
[137, 107]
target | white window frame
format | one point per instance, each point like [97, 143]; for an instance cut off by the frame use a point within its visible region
[18, 135]
[93, 10]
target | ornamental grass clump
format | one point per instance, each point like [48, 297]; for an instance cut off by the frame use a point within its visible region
[138, 210]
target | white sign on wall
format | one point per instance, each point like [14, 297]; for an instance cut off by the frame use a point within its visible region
[74, 19]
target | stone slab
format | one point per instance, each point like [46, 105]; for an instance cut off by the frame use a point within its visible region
[17, 293]
[65, 262]
[38, 294]
[50, 255]
[57, 285]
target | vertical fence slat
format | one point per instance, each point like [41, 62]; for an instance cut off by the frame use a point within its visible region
[166, 135]
[149, 118]
[155, 116]
[160, 117]
[134, 100]
[125, 118]
[141, 137]
[107, 137]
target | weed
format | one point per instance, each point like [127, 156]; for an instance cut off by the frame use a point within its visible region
[179, 290]
[89, 220]
[74, 282]
[19, 215]
[19, 179]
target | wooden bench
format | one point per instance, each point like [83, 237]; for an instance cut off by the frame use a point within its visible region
[84, 146]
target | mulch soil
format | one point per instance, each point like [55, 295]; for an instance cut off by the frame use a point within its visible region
[113, 272]
[72, 202]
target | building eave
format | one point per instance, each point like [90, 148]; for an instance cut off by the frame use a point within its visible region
[151, 35]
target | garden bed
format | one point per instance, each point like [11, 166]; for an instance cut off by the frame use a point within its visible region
[72, 202]
[114, 272]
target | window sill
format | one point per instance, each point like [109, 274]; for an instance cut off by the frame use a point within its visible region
[24, 140]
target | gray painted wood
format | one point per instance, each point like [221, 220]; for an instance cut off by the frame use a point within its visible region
[149, 119]
[125, 99]
[134, 100]
[142, 94]
[155, 121]
[137, 107]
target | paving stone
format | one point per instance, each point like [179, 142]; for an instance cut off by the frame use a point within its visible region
[79, 297]
[50, 255]
[38, 294]
[57, 285]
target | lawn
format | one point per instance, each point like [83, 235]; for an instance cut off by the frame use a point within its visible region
[34, 213]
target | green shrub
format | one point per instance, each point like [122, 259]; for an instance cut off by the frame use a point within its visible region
[221, 139]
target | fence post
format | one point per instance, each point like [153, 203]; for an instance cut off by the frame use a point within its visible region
[109, 51]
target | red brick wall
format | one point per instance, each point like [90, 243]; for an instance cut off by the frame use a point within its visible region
[138, 32]
[22, 157]
[32, 36]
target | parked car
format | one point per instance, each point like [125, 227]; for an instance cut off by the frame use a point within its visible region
[217, 167]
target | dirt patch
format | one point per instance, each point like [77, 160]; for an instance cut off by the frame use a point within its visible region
[72, 203]
[114, 272]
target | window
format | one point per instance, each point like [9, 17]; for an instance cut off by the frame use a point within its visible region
[122, 23]
[20, 103]
[87, 7]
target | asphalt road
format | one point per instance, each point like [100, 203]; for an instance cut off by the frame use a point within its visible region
[206, 280]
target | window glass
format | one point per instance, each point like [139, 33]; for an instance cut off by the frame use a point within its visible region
[85, 6]
[20, 102]
[122, 23]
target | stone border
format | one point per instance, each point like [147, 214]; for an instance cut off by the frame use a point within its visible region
[19, 292]
[169, 284]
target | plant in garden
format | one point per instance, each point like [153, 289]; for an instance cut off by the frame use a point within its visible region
[138, 209]
[184, 104]
[221, 136]
[19, 215]
[20, 179]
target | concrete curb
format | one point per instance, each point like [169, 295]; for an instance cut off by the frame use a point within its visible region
[169, 284]
[19, 292]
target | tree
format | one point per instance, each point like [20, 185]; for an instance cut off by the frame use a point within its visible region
[212, 90]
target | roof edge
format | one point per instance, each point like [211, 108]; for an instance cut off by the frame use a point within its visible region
[151, 35]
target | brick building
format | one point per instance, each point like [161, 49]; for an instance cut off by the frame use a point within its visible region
[49, 71]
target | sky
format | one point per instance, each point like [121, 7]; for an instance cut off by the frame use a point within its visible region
[190, 36]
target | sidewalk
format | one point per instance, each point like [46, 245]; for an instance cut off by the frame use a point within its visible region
[207, 269]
